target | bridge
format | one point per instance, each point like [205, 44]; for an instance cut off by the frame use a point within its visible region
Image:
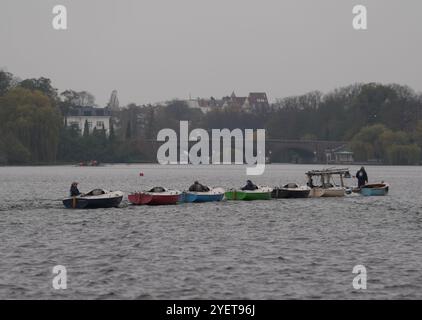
[285, 150]
[308, 149]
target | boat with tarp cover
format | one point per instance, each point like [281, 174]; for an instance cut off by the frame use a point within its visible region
[97, 198]
[155, 196]
[290, 190]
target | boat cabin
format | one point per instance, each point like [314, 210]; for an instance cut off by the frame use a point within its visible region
[326, 177]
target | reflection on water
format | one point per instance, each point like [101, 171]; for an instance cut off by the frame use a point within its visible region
[279, 249]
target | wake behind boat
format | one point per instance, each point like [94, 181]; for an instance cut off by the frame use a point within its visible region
[97, 198]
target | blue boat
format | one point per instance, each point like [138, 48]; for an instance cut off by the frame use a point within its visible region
[376, 189]
[216, 194]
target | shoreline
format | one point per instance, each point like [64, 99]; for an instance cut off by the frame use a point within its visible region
[206, 165]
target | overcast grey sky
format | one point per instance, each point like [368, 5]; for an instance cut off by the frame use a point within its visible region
[154, 50]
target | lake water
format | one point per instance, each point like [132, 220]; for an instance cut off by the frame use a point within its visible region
[278, 249]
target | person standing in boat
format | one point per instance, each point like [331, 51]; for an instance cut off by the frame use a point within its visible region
[74, 191]
[197, 187]
[310, 183]
[249, 186]
[362, 177]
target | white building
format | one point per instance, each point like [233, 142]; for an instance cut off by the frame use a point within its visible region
[195, 104]
[96, 117]
[205, 105]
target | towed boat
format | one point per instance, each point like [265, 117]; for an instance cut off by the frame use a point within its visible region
[262, 193]
[97, 198]
[155, 196]
[291, 190]
[375, 189]
[214, 194]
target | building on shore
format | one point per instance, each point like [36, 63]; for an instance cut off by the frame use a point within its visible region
[205, 105]
[339, 155]
[254, 102]
[98, 118]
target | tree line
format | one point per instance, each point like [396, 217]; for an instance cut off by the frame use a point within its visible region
[381, 123]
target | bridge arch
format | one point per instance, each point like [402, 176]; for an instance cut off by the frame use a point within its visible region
[292, 154]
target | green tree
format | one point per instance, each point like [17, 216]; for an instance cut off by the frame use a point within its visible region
[41, 84]
[6, 82]
[86, 129]
[128, 134]
[366, 143]
[111, 135]
[409, 154]
[31, 122]
[381, 143]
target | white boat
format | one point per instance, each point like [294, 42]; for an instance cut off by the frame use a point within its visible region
[318, 192]
[327, 186]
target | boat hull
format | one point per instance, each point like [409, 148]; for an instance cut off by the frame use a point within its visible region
[374, 190]
[199, 197]
[86, 203]
[327, 192]
[337, 192]
[282, 193]
[153, 199]
[248, 195]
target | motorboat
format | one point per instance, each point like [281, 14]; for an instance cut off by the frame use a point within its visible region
[327, 192]
[291, 190]
[214, 194]
[155, 196]
[262, 193]
[97, 198]
[327, 186]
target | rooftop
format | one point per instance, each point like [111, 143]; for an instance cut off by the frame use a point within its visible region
[89, 111]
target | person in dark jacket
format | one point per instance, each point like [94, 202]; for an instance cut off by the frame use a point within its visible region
[250, 186]
[362, 177]
[197, 187]
[74, 191]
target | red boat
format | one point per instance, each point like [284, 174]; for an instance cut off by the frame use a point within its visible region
[155, 196]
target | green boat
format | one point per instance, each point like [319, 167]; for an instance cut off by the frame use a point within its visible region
[263, 193]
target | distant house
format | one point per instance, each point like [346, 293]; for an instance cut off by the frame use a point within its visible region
[339, 156]
[95, 117]
[256, 101]
[234, 102]
[205, 105]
